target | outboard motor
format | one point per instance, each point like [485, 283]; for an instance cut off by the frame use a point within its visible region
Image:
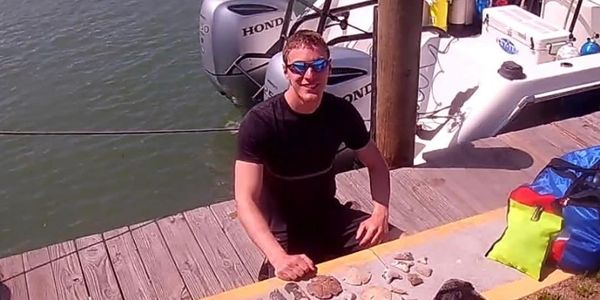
[237, 39]
[350, 78]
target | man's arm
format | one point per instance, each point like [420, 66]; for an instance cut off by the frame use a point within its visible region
[373, 230]
[379, 173]
[248, 185]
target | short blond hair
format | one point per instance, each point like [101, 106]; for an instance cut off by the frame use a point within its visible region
[304, 38]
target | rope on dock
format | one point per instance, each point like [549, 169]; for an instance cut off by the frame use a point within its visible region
[117, 132]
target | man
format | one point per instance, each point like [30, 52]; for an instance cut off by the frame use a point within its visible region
[284, 178]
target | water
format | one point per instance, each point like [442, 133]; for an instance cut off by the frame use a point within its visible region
[104, 65]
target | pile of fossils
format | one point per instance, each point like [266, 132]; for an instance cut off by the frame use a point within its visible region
[328, 287]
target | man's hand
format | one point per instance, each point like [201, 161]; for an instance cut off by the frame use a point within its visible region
[372, 231]
[293, 267]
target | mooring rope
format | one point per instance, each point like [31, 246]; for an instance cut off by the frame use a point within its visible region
[118, 132]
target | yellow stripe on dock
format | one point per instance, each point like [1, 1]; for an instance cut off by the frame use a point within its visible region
[524, 287]
[437, 232]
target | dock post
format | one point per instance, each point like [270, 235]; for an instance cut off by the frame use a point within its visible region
[398, 53]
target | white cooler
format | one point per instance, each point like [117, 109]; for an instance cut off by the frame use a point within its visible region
[522, 36]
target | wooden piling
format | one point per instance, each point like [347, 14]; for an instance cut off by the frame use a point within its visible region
[398, 54]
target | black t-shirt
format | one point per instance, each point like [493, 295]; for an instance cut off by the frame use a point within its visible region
[298, 150]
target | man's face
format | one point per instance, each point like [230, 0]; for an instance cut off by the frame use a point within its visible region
[307, 70]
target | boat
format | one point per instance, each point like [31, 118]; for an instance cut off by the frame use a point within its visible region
[472, 85]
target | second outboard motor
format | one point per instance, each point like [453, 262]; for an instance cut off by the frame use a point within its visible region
[350, 78]
[237, 40]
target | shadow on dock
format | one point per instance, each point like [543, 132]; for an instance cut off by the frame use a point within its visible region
[472, 157]
[4, 292]
[393, 234]
[460, 156]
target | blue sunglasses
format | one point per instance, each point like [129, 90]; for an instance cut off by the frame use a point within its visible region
[300, 67]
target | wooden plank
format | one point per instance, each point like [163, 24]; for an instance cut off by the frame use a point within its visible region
[127, 264]
[67, 271]
[219, 252]
[519, 160]
[557, 138]
[443, 208]
[157, 260]
[140, 224]
[12, 278]
[406, 207]
[545, 143]
[484, 188]
[97, 271]
[504, 155]
[480, 174]
[191, 262]
[407, 189]
[542, 143]
[483, 154]
[487, 185]
[593, 121]
[594, 118]
[39, 275]
[480, 189]
[401, 214]
[448, 183]
[355, 186]
[581, 130]
[250, 255]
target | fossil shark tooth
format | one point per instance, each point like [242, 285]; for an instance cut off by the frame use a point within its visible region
[414, 279]
[390, 274]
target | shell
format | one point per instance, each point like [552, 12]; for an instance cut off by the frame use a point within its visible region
[399, 291]
[423, 270]
[324, 287]
[376, 293]
[355, 276]
[404, 256]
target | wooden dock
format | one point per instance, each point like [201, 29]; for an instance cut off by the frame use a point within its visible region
[205, 251]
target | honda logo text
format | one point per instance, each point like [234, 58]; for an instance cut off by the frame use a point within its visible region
[250, 30]
[357, 94]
